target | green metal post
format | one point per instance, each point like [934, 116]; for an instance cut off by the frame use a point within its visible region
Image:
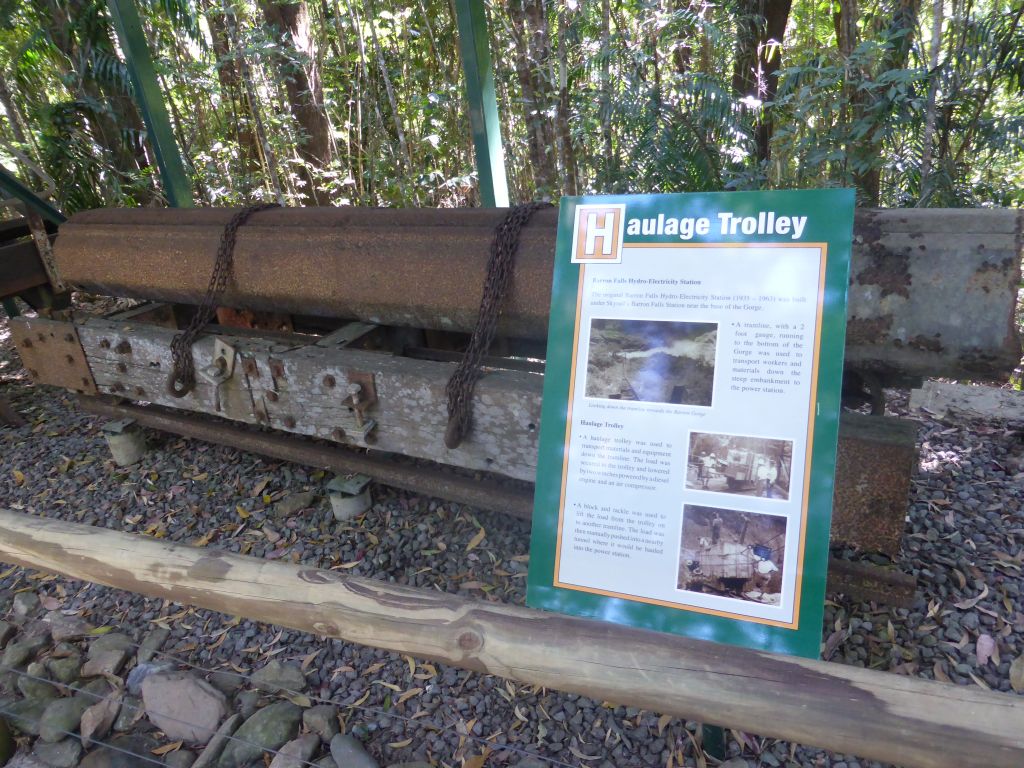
[10, 184]
[483, 104]
[147, 95]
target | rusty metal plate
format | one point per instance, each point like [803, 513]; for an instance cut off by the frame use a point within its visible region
[875, 462]
[52, 353]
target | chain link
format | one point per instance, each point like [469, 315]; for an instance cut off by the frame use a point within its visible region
[500, 267]
[183, 376]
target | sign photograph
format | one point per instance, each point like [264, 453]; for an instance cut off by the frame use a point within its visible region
[690, 413]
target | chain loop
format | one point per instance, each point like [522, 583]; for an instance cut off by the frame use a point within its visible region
[183, 376]
[500, 266]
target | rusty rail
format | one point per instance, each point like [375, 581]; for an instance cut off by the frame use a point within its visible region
[932, 292]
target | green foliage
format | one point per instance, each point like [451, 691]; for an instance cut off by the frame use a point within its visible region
[636, 99]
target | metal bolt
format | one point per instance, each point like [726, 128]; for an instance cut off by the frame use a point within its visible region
[140, 391]
[272, 396]
[85, 381]
[70, 359]
[338, 433]
[354, 390]
[41, 336]
[370, 439]
[27, 343]
[289, 422]
[277, 369]
[69, 337]
[250, 367]
[122, 368]
[329, 381]
[104, 343]
[118, 387]
[124, 348]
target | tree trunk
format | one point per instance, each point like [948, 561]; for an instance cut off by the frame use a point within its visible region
[533, 54]
[305, 93]
[759, 37]
[231, 86]
[929, 109]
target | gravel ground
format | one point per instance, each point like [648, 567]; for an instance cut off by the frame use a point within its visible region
[964, 544]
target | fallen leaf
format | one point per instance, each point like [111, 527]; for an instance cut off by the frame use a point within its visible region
[242, 512]
[984, 648]
[409, 695]
[300, 700]
[166, 748]
[966, 604]
[49, 603]
[260, 486]
[19, 477]
[939, 671]
[663, 721]
[400, 744]
[98, 719]
[475, 541]
[1017, 674]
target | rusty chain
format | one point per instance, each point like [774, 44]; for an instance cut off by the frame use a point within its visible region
[500, 266]
[183, 375]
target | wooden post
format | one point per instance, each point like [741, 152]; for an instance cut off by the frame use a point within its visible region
[904, 720]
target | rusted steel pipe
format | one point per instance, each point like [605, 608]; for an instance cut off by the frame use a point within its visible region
[932, 292]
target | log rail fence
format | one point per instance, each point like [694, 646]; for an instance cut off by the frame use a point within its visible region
[902, 720]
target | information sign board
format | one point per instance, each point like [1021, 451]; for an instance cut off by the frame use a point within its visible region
[691, 409]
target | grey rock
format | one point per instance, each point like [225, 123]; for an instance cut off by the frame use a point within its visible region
[527, 763]
[140, 672]
[297, 752]
[226, 682]
[348, 752]
[65, 670]
[293, 502]
[322, 720]
[270, 728]
[213, 750]
[280, 676]
[326, 762]
[105, 663]
[180, 758]
[151, 643]
[132, 710]
[183, 706]
[62, 717]
[735, 762]
[24, 715]
[7, 631]
[27, 760]
[33, 684]
[109, 642]
[19, 652]
[128, 746]
[66, 627]
[246, 702]
[63, 754]
[25, 603]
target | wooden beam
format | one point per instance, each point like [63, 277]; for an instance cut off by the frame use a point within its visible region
[909, 721]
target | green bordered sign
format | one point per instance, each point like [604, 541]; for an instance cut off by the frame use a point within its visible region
[691, 410]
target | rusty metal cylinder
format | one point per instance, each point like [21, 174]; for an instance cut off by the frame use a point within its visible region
[932, 292]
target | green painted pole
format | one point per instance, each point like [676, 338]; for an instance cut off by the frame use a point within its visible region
[147, 95]
[10, 184]
[483, 104]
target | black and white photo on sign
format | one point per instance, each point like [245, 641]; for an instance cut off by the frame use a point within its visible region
[738, 464]
[732, 553]
[652, 361]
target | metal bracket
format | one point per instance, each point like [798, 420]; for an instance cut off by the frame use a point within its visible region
[362, 394]
[223, 366]
[42, 241]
